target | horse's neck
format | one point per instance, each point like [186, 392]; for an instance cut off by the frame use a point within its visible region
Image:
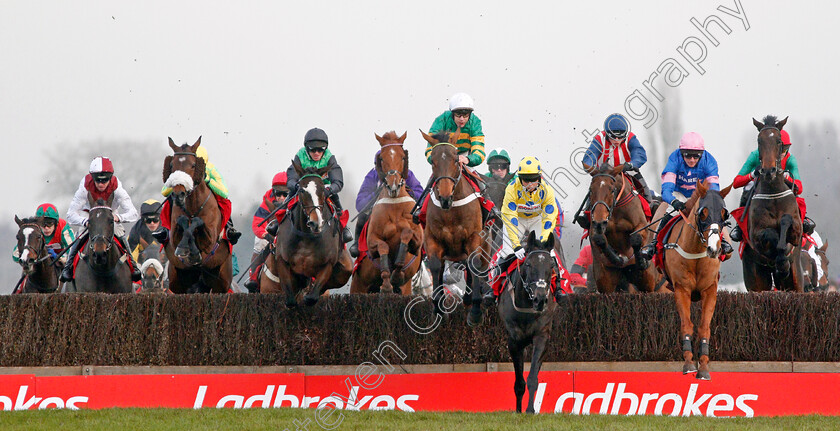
[689, 241]
[771, 186]
[198, 197]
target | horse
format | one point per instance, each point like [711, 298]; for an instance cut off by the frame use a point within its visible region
[308, 251]
[393, 241]
[527, 310]
[199, 257]
[771, 250]
[39, 274]
[812, 281]
[454, 226]
[692, 265]
[153, 262]
[617, 213]
[102, 265]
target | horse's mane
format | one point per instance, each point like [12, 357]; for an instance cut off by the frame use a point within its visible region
[29, 220]
[442, 136]
[390, 137]
[769, 120]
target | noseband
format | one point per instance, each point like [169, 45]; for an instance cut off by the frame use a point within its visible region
[616, 197]
[94, 238]
[36, 251]
[543, 284]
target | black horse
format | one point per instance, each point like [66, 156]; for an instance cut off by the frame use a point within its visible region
[527, 309]
[102, 266]
[39, 273]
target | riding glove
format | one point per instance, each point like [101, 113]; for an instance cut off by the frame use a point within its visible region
[519, 252]
[678, 204]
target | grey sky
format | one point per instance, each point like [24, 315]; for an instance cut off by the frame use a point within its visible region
[252, 77]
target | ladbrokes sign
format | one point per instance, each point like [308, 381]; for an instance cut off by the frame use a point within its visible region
[729, 394]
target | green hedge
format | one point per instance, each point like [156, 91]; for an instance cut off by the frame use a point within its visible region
[64, 330]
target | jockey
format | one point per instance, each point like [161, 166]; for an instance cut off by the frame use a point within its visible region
[470, 147]
[149, 222]
[617, 146]
[264, 232]
[366, 197]
[747, 174]
[578, 275]
[498, 164]
[101, 183]
[217, 185]
[316, 155]
[52, 224]
[529, 205]
[687, 164]
[812, 236]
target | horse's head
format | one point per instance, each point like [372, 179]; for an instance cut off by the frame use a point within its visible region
[152, 275]
[538, 269]
[392, 162]
[183, 171]
[711, 215]
[605, 190]
[446, 169]
[101, 229]
[770, 146]
[30, 242]
[312, 196]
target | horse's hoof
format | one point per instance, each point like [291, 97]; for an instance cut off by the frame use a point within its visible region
[291, 304]
[704, 375]
[308, 301]
[488, 301]
[689, 368]
[475, 317]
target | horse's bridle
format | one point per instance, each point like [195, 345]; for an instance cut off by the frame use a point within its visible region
[616, 197]
[778, 143]
[36, 251]
[307, 209]
[543, 284]
[184, 207]
[455, 180]
[384, 175]
[108, 241]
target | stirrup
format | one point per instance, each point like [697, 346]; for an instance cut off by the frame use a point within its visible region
[354, 250]
[648, 251]
[735, 234]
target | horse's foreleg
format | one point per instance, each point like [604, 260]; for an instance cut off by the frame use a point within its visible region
[682, 296]
[382, 250]
[782, 262]
[540, 341]
[709, 299]
[435, 265]
[517, 357]
[318, 286]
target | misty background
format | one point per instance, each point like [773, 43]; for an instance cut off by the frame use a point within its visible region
[116, 78]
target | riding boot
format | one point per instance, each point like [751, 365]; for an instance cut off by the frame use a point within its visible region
[67, 272]
[648, 251]
[232, 234]
[361, 219]
[808, 226]
[272, 227]
[346, 235]
[415, 214]
[645, 189]
[580, 218]
[135, 270]
[252, 285]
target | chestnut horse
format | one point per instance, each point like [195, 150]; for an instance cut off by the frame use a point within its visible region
[616, 212]
[308, 251]
[692, 265]
[393, 240]
[39, 273]
[528, 310]
[454, 225]
[771, 251]
[199, 258]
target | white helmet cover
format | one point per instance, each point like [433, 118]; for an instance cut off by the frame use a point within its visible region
[461, 101]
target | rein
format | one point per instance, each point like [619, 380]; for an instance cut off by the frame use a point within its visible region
[615, 198]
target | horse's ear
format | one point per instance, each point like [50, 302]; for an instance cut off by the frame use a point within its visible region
[378, 167]
[167, 167]
[40, 221]
[405, 164]
[428, 138]
[702, 188]
[532, 240]
[825, 245]
[453, 137]
[379, 138]
[195, 146]
[401, 139]
[110, 199]
[758, 124]
[173, 146]
[589, 169]
[549, 243]
[616, 170]
[782, 123]
[17, 220]
[725, 191]
[297, 167]
[200, 165]
[91, 201]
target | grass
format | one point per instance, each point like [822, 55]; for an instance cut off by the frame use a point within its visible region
[284, 419]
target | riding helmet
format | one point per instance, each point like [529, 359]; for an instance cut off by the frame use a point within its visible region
[616, 126]
[315, 138]
[461, 101]
[101, 164]
[47, 211]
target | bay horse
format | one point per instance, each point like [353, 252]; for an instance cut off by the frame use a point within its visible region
[692, 265]
[771, 250]
[528, 310]
[454, 226]
[393, 240]
[152, 261]
[308, 252]
[616, 212]
[39, 273]
[199, 257]
[102, 265]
